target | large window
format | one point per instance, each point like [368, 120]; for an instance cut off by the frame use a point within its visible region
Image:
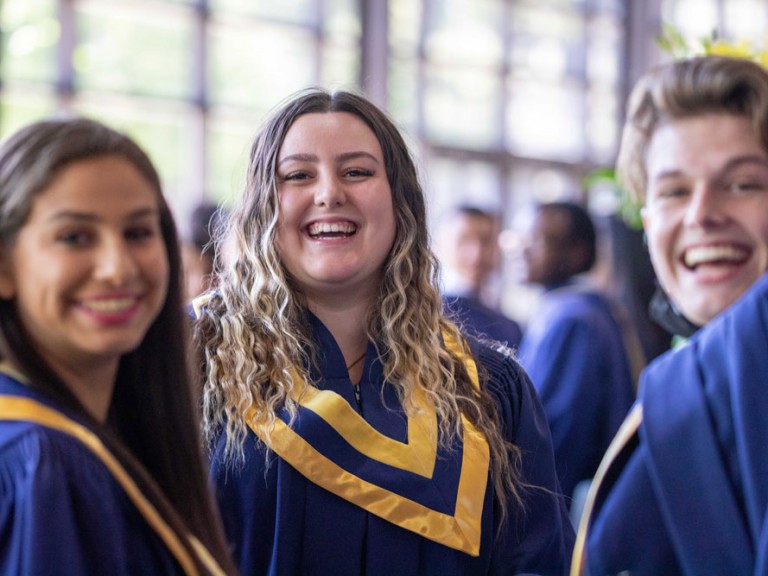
[505, 101]
[190, 80]
[512, 100]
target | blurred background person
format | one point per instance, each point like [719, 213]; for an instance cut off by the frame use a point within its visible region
[468, 248]
[573, 346]
[199, 248]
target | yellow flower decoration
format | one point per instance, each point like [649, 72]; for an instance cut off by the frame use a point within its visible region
[742, 49]
[673, 42]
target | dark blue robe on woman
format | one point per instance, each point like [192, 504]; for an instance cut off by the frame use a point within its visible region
[689, 493]
[282, 523]
[61, 509]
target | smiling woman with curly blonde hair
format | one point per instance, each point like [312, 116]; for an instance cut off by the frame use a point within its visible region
[354, 429]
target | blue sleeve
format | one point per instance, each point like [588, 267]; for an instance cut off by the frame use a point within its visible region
[61, 512]
[580, 372]
[247, 498]
[628, 535]
[539, 537]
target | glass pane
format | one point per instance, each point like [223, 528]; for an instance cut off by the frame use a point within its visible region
[546, 120]
[547, 43]
[30, 32]
[567, 3]
[19, 109]
[462, 107]
[245, 69]
[604, 50]
[342, 20]
[402, 97]
[404, 26]
[609, 5]
[166, 135]
[453, 182]
[124, 51]
[229, 143]
[694, 18]
[746, 19]
[466, 32]
[603, 124]
[302, 11]
[341, 66]
[530, 185]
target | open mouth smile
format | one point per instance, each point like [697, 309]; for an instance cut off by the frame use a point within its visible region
[326, 230]
[719, 255]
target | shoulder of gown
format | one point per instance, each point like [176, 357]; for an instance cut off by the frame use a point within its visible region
[541, 530]
[61, 511]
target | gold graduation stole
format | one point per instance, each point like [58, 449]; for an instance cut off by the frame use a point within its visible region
[624, 435]
[17, 408]
[415, 459]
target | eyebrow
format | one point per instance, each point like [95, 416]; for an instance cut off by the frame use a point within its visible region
[343, 157]
[89, 217]
[730, 165]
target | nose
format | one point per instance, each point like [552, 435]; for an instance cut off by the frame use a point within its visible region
[473, 252]
[329, 192]
[115, 263]
[705, 207]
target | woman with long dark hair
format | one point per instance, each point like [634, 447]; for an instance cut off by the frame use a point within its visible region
[101, 466]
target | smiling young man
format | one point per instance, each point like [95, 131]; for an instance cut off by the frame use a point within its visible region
[682, 488]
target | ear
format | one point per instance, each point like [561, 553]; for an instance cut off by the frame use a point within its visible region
[644, 217]
[7, 281]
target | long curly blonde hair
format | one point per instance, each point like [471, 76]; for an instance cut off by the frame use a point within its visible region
[254, 333]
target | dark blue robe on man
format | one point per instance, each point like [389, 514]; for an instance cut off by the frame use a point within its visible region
[689, 492]
[61, 510]
[574, 352]
[387, 500]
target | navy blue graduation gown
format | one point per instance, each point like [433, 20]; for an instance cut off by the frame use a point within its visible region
[477, 319]
[573, 350]
[62, 511]
[689, 494]
[281, 523]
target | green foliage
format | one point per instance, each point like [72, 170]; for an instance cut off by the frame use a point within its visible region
[627, 208]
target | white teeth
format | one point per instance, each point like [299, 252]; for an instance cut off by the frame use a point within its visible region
[709, 254]
[111, 305]
[319, 228]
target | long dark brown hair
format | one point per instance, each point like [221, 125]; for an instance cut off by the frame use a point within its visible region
[153, 426]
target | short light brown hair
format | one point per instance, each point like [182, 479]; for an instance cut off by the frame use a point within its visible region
[683, 89]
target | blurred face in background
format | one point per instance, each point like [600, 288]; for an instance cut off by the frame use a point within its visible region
[706, 212]
[547, 252]
[469, 246]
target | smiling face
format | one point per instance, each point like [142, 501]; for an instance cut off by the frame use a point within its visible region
[88, 269]
[336, 224]
[706, 213]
